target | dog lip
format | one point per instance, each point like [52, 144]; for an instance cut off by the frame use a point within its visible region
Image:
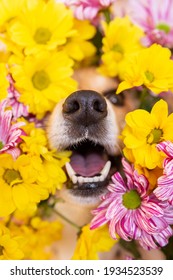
[94, 189]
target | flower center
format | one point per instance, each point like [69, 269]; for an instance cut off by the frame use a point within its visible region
[40, 80]
[155, 136]
[1, 145]
[163, 27]
[131, 200]
[1, 250]
[10, 175]
[118, 48]
[42, 35]
[149, 76]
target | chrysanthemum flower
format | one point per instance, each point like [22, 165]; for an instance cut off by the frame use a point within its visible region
[164, 191]
[9, 246]
[78, 46]
[91, 243]
[121, 39]
[151, 67]
[131, 212]
[87, 9]
[42, 26]
[144, 130]
[43, 80]
[50, 175]
[9, 9]
[4, 84]
[18, 108]
[10, 132]
[40, 236]
[156, 19]
[18, 185]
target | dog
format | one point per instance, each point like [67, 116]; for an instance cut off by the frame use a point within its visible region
[88, 123]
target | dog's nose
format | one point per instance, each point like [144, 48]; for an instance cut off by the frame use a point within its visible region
[85, 106]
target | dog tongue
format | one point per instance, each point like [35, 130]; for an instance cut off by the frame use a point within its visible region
[88, 165]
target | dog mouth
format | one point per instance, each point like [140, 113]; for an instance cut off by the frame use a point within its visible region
[90, 168]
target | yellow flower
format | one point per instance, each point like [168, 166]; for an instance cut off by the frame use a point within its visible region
[43, 80]
[4, 84]
[121, 39]
[38, 237]
[77, 47]
[9, 246]
[18, 183]
[92, 242]
[9, 9]
[144, 130]
[151, 67]
[41, 26]
[35, 144]
[151, 174]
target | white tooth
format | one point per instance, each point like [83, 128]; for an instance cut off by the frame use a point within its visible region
[80, 180]
[87, 179]
[90, 180]
[102, 177]
[74, 179]
[96, 179]
[106, 169]
[69, 169]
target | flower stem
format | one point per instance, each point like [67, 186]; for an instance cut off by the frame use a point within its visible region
[107, 16]
[67, 220]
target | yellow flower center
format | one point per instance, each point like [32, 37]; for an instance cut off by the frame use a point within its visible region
[131, 200]
[118, 48]
[1, 145]
[40, 80]
[42, 35]
[1, 250]
[11, 175]
[163, 27]
[155, 136]
[149, 76]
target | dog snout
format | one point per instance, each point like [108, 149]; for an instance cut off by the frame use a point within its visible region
[85, 106]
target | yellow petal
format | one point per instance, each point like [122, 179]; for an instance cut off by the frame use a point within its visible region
[123, 86]
[7, 205]
[160, 113]
[20, 197]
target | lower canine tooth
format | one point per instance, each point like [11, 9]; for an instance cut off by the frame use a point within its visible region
[69, 169]
[106, 169]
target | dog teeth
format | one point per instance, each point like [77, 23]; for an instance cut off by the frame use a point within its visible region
[69, 169]
[80, 179]
[106, 169]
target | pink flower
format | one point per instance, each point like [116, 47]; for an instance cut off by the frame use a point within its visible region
[9, 132]
[87, 9]
[18, 108]
[132, 213]
[164, 191]
[156, 19]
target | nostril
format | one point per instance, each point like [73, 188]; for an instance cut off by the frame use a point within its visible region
[70, 106]
[99, 106]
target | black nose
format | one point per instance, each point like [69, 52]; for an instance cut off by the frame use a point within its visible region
[85, 106]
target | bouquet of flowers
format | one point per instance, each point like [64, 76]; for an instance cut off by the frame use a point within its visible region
[41, 44]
